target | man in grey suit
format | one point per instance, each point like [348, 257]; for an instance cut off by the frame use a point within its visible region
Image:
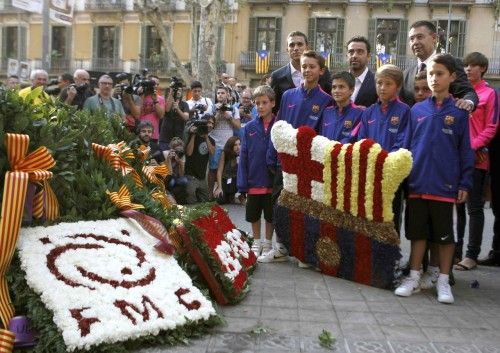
[423, 39]
[358, 54]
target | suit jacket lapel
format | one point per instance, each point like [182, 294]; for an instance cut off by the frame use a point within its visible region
[288, 75]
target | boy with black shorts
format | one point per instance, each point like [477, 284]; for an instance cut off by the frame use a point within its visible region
[253, 176]
[443, 162]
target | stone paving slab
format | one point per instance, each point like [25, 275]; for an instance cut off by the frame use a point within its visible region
[291, 307]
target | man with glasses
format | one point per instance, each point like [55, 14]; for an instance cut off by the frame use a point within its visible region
[104, 99]
[79, 91]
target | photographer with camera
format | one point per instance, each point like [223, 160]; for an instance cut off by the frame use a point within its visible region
[131, 102]
[199, 148]
[227, 118]
[198, 105]
[175, 159]
[151, 106]
[77, 92]
[104, 99]
[177, 114]
[143, 140]
[246, 108]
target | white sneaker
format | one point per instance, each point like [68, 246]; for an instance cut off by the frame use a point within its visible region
[409, 286]
[429, 279]
[274, 255]
[266, 247]
[444, 292]
[302, 264]
[257, 247]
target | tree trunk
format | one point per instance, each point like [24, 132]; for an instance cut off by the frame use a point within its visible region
[210, 20]
[194, 42]
[153, 13]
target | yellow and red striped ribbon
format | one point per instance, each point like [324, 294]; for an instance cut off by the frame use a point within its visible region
[156, 174]
[162, 198]
[122, 199]
[117, 154]
[32, 167]
[7, 339]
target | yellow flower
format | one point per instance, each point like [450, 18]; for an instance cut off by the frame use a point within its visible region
[327, 173]
[370, 179]
[341, 178]
[397, 166]
[355, 178]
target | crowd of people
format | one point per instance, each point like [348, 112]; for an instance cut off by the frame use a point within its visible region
[440, 108]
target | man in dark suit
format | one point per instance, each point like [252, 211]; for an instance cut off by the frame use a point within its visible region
[358, 54]
[290, 75]
[423, 39]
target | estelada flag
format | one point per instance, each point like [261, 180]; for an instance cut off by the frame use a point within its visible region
[326, 55]
[383, 58]
[262, 62]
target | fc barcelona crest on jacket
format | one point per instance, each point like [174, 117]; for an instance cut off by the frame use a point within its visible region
[315, 108]
[449, 120]
[348, 124]
[395, 120]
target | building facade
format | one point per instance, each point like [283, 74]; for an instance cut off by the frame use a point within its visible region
[113, 35]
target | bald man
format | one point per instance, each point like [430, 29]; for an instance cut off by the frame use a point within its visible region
[77, 93]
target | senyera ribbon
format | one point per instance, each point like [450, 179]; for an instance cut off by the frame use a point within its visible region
[25, 168]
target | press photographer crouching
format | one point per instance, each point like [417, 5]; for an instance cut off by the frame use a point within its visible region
[145, 131]
[174, 122]
[198, 149]
[175, 159]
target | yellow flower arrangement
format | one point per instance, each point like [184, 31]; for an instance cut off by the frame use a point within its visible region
[396, 167]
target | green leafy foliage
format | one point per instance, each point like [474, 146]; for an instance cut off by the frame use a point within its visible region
[80, 183]
[326, 339]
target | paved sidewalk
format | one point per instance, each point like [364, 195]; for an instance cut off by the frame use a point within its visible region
[290, 307]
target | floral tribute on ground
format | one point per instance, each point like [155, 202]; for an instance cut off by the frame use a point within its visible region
[222, 254]
[104, 282]
[335, 211]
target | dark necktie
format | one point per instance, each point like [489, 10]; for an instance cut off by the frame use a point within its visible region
[422, 67]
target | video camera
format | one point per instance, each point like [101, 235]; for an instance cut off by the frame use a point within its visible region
[176, 84]
[140, 81]
[225, 108]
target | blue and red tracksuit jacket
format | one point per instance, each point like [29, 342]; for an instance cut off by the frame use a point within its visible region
[339, 124]
[387, 126]
[443, 160]
[300, 107]
[252, 168]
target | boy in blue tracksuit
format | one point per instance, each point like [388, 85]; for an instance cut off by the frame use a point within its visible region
[299, 106]
[385, 121]
[443, 163]
[253, 175]
[341, 119]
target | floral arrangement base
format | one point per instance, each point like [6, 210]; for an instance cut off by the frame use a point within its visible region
[337, 251]
[105, 283]
[222, 254]
[335, 210]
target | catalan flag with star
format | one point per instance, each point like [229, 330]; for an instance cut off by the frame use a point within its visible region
[383, 58]
[326, 55]
[262, 62]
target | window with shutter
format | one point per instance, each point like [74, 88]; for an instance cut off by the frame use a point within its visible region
[277, 46]
[456, 37]
[252, 34]
[402, 38]
[311, 33]
[340, 36]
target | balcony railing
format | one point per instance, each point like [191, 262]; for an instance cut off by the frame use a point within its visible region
[247, 60]
[103, 5]
[157, 66]
[107, 65]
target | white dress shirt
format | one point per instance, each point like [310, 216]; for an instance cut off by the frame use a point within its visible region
[296, 76]
[357, 84]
